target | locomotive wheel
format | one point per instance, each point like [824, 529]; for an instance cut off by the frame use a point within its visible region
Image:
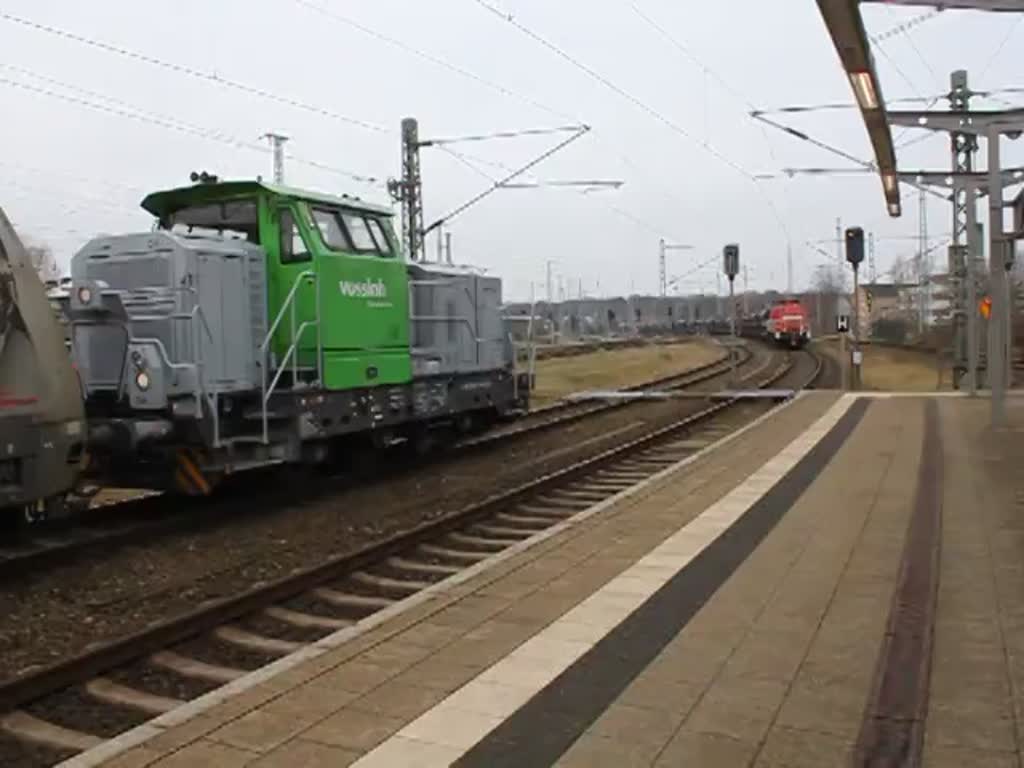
[34, 513]
[424, 442]
[467, 424]
[43, 510]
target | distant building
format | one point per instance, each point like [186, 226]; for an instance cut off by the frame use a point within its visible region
[885, 305]
[892, 310]
[615, 315]
[940, 300]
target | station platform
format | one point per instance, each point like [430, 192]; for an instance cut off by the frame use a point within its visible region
[841, 582]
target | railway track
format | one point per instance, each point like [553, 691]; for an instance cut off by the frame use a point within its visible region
[59, 710]
[136, 519]
[567, 411]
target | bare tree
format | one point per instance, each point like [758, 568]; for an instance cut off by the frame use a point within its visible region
[902, 270]
[828, 286]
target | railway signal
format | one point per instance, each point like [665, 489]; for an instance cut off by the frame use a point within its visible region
[731, 267]
[731, 261]
[855, 256]
[855, 246]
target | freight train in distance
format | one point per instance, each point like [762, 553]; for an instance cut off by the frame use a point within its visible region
[787, 324]
[261, 324]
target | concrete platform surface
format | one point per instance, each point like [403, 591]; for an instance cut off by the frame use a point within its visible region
[840, 583]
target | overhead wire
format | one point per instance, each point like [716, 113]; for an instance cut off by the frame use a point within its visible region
[797, 108]
[999, 49]
[501, 135]
[643, 106]
[83, 200]
[832, 106]
[490, 84]
[905, 26]
[120, 108]
[499, 182]
[707, 262]
[182, 69]
[637, 102]
[686, 51]
[470, 161]
[466, 161]
[875, 43]
[90, 181]
[722, 82]
[906, 30]
[418, 52]
[896, 67]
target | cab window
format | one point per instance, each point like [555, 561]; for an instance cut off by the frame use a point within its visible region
[293, 247]
[381, 236]
[358, 230]
[331, 231]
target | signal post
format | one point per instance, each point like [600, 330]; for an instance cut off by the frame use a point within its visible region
[731, 267]
[842, 331]
[855, 255]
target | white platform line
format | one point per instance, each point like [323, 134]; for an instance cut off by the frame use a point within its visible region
[465, 717]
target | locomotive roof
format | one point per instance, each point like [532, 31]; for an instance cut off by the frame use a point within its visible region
[170, 200]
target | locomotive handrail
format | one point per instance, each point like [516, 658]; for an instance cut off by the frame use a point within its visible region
[199, 361]
[292, 352]
[197, 310]
[199, 364]
[289, 299]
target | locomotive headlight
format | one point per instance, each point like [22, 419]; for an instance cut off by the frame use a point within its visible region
[142, 380]
[85, 294]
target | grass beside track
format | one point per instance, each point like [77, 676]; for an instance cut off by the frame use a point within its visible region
[612, 368]
[894, 369]
[889, 369]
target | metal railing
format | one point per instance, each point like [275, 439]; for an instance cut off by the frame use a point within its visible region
[292, 353]
[529, 345]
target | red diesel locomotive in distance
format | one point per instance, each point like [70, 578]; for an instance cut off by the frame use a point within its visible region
[788, 324]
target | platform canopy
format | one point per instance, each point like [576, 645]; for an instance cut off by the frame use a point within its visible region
[1008, 6]
[846, 27]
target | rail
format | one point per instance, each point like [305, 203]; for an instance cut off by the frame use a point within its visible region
[292, 353]
[99, 658]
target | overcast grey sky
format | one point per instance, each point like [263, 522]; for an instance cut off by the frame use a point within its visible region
[70, 170]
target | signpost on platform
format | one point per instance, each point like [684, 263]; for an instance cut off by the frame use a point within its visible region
[731, 267]
[842, 330]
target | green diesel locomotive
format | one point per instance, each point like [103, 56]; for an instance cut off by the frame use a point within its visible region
[258, 323]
